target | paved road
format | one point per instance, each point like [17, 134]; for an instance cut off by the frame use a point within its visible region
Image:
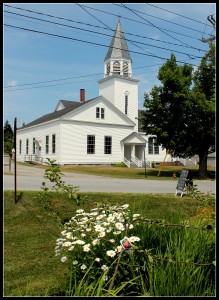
[30, 178]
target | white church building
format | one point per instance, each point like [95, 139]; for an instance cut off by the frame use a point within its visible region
[103, 130]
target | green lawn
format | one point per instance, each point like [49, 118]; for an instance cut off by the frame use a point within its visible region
[160, 173]
[32, 225]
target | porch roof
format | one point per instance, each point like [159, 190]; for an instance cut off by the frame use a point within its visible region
[134, 138]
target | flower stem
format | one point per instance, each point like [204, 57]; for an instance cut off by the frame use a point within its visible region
[116, 270]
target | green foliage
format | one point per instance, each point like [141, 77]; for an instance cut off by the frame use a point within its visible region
[8, 138]
[120, 165]
[183, 118]
[175, 255]
[117, 229]
[54, 174]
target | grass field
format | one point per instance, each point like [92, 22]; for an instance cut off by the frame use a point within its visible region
[160, 173]
[32, 225]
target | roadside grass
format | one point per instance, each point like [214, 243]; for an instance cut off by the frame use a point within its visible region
[32, 225]
[164, 172]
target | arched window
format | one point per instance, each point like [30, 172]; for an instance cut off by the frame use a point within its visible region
[116, 67]
[108, 69]
[125, 68]
[126, 102]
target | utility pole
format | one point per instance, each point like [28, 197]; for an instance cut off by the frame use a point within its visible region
[212, 37]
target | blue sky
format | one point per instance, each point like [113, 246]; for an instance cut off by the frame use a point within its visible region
[60, 48]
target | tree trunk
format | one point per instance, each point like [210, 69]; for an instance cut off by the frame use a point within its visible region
[203, 170]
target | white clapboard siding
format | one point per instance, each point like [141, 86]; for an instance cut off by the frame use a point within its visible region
[39, 132]
[74, 143]
[88, 113]
[114, 90]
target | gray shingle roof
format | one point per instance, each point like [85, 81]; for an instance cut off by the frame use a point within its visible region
[69, 106]
[118, 47]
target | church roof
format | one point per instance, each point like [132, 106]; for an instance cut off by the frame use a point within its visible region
[68, 106]
[118, 47]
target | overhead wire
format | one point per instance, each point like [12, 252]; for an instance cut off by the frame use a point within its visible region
[52, 16]
[73, 39]
[83, 41]
[143, 13]
[152, 24]
[177, 13]
[125, 18]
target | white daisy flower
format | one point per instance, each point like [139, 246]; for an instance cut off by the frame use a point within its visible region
[83, 267]
[63, 258]
[104, 267]
[125, 206]
[112, 241]
[71, 248]
[110, 218]
[136, 216]
[97, 259]
[86, 248]
[134, 239]
[119, 249]
[79, 242]
[69, 235]
[79, 211]
[116, 232]
[131, 226]
[102, 234]
[95, 242]
[110, 253]
[75, 262]
[66, 244]
[99, 228]
[119, 226]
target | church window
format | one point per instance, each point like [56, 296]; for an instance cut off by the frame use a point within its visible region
[47, 144]
[125, 68]
[27, 146]
[34, 145]
[116, 67]
[153, 147]
[97, 112]
[107, 145]
[156, 147]
[20, 146]
[53, 143]
[126, 104]
[102, 113]
[91, 144]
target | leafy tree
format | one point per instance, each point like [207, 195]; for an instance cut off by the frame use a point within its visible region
[182, 117]
[8, 137]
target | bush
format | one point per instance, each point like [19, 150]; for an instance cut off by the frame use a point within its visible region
[120, 164]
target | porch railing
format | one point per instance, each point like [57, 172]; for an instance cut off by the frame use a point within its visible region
[136, 161]
[33, 159]
[127, 162]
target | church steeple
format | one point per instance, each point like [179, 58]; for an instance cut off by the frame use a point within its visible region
[118, 60]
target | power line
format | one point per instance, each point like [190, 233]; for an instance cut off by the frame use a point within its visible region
[143, 13]
[133, 42]
[79, 40]
[125, 18]
[176, 14]
[108, 28]
[153, 24]
[68, 78]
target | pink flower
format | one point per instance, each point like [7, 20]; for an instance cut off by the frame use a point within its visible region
[126, 244]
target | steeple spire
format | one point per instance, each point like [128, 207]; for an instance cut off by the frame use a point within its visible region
[118, 47]
[118, 60]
